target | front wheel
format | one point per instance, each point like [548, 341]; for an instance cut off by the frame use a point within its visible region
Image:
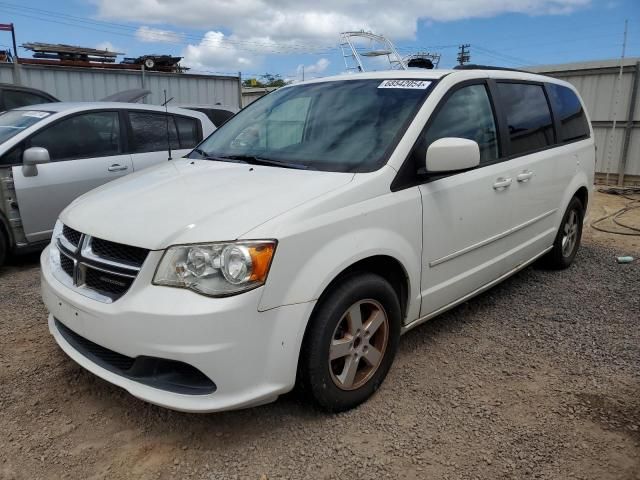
[351, 342]
[4, 247]
[568, 237]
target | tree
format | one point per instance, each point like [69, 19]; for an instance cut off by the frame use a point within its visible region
[266, 80]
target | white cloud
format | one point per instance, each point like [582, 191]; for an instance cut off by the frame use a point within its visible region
[312, 21]
[107, 46]
[155, 35]
[214, 53]
[313, 70]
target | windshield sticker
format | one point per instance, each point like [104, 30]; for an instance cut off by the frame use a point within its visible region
[411, 84]
[35, 114]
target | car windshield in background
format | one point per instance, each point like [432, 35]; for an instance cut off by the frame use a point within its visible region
[15, 121]
[341, 126]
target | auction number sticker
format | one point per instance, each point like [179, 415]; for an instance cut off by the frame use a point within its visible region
[36, 114]
[410, 84]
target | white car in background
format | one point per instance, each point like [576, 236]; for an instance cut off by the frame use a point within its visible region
[52, 153]
[305, 235]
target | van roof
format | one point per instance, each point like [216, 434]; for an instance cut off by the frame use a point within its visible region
[436, 74]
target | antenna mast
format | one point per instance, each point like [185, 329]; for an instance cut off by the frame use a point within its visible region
[166, 117]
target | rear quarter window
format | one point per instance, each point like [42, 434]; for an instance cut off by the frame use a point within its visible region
[528, 116]
[572, 118]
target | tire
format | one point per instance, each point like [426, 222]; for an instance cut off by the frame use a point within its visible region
[563, 253]
[362, 358]
[4, 247]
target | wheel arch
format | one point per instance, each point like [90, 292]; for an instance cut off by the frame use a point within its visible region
[386, 266]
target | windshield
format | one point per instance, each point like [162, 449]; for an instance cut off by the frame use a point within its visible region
[15, 121]
[340, 126]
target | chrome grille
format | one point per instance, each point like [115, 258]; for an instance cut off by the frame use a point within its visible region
[94, 267]
[118, 252]
[72, 236]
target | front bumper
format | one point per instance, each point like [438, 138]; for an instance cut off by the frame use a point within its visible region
[251, 356]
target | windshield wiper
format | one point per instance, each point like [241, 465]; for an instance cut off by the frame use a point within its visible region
[256, 160]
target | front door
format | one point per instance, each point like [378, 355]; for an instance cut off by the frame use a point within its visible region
[466, 216]
[85, 152]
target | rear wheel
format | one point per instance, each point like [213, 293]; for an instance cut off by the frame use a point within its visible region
[568, 237]
[351, 342]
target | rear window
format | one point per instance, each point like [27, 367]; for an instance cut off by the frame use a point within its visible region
[19, 98]
[571, 115]
[188, 132]
[528, 117]
[149, 132]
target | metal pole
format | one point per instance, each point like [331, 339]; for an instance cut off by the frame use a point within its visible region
[629, 125]
[240, 90]
[615, 106]
[16, 66]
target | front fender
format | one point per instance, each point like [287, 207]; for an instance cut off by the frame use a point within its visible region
[309, 258]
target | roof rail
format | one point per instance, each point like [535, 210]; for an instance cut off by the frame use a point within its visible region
[473, 66]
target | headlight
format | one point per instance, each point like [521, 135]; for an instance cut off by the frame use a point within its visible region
[216, 269]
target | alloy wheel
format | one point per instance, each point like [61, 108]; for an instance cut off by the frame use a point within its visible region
[570, 233]
[358, 344]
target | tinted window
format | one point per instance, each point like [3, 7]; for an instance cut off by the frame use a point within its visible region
[528, 116]
[150, 132]
[567, 106]
[18, 98]
[465, 114]
[219, 116]
[13, 156]
[187, 131]
[95, 134]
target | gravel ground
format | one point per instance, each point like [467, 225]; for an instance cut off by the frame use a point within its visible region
[537, 378]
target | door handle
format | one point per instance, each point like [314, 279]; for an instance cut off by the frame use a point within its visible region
[501, 183]
[525, 176]
[117, 168]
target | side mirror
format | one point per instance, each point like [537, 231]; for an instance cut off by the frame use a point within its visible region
[451, 154]
[31, 158]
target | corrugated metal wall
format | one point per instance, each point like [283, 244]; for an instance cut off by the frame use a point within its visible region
[91, 84]
[597, 83]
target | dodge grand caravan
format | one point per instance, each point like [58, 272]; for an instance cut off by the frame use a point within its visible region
[300, 240]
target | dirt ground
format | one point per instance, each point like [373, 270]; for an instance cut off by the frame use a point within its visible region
[537, 378]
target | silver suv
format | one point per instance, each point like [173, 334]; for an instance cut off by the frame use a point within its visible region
[52, 153]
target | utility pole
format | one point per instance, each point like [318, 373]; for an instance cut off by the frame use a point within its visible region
[616, 103]
[463, 54]
[303, 73]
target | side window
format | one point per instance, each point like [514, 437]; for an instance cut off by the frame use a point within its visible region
[18, 98]
[293, 115]
[149, 132]
[95, 134]
[187, 131]
[466, 114]
[567, 106]
[528, 117]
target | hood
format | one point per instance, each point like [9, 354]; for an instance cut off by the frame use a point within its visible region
[192, 201]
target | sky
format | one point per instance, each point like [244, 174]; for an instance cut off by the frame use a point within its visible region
[285, 37]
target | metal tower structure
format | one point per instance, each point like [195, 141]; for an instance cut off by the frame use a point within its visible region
[378, 46]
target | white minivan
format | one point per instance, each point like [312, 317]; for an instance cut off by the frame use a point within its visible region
[303, 237]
